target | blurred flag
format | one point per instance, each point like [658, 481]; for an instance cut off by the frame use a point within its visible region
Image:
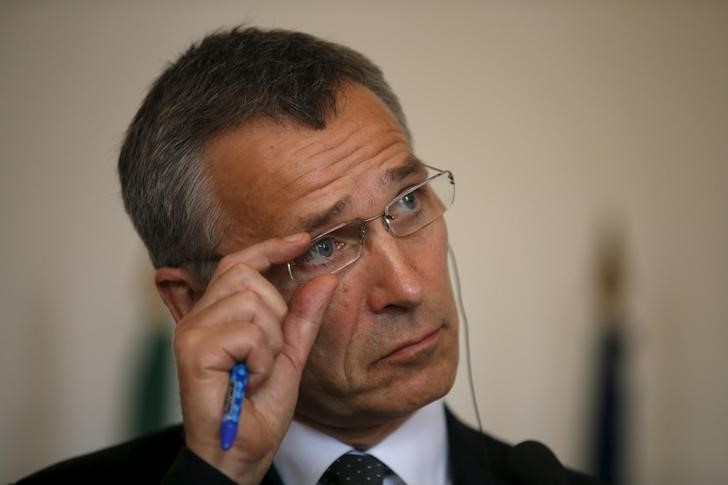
[610, 403]
[153, 382]
[151, 401]
[609, 412]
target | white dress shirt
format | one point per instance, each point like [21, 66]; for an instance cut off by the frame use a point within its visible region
[417, 451]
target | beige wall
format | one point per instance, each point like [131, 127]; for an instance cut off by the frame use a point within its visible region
[556, 117]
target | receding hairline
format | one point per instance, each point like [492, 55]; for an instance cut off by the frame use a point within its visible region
[285, 121]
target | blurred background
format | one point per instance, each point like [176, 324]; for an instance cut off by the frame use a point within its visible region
[590, 144]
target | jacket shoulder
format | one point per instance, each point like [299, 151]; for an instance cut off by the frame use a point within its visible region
[476, 454]
[142, 460]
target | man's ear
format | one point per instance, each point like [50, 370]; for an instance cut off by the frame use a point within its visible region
[179, 290]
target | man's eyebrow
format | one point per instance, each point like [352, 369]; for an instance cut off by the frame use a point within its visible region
[325, 218]
[397, 174]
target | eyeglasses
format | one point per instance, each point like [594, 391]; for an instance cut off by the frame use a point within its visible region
[341, 246]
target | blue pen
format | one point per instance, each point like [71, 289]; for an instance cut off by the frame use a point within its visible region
[233, 405]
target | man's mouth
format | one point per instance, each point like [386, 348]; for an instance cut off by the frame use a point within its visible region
[414, 346]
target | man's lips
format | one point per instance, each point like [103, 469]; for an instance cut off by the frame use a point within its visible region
[414, 345]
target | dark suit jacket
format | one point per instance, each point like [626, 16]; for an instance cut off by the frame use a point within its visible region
[161, 457]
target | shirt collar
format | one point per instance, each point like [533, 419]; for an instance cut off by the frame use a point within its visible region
[416, 451]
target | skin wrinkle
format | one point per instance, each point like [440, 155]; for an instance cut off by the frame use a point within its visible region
[412, 166]
[323, 219]
[313, 153]
[363, 151]
[330, 146]
[311, 223]
[327, 218]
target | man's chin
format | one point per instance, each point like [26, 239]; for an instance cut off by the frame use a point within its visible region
[366, 423]
[394, 401]
[407, 396]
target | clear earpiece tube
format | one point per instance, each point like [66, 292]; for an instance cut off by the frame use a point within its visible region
[459, 297]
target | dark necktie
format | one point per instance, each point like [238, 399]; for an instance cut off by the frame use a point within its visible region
[351, 469]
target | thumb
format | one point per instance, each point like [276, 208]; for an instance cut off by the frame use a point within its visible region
[306, 310]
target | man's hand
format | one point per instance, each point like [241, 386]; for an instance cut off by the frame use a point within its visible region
[242, 317]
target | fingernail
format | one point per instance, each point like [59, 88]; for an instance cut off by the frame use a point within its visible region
[295, 237]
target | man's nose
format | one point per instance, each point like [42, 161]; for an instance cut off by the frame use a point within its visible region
[392, 268]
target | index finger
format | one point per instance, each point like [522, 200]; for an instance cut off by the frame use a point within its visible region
[263, 255]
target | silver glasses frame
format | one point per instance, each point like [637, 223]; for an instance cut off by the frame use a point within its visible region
[384, 216]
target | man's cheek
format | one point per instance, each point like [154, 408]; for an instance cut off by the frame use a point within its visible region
[332, 339]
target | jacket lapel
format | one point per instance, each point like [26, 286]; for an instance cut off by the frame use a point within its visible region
[271, 477]
[470, 464]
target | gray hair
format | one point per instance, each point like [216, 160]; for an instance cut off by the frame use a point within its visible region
[229, 78]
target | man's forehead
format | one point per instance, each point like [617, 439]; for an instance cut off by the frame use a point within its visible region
[275, 177]
[284, 215]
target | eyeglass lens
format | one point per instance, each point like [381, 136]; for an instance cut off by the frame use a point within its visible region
[417, 207]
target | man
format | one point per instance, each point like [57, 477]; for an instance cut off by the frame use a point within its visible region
[252, 143]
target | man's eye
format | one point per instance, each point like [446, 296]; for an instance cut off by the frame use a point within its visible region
[322, 252]
[409, 202]
[323, 248]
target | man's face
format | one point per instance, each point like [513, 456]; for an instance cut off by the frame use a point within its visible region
[388, 343]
